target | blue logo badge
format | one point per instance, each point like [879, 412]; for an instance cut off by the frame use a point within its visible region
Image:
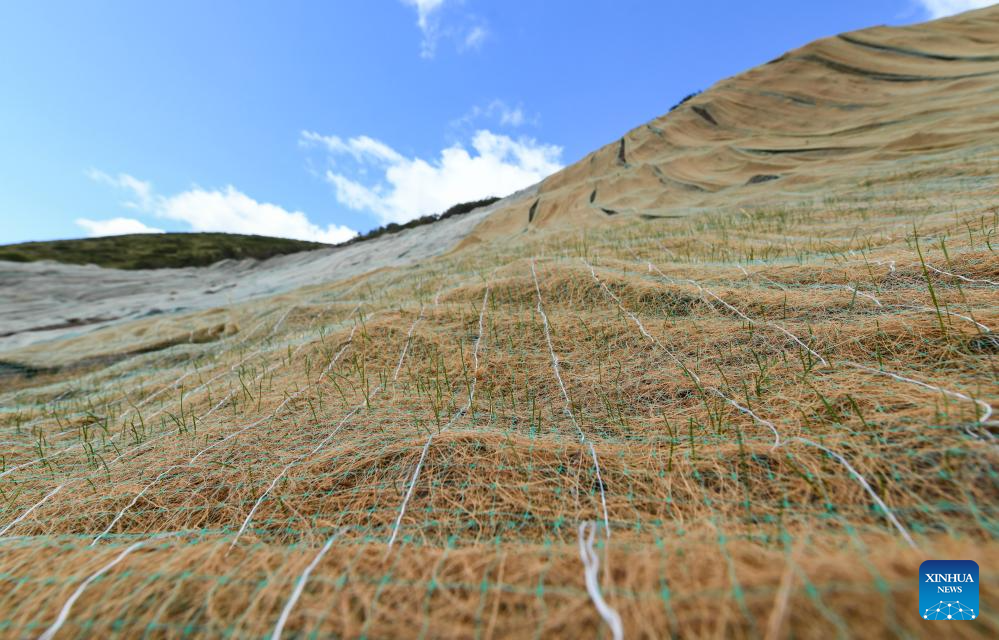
[948, 590]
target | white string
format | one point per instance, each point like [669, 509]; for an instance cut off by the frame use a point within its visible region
[743, 315]
[317, 448]
[291, 464]
[986, 408]
[409, 494]
[430, 438]
[28, 512]
[64, 612]
[300, 585]
[567, 408]
[374, 393]
[911, 307]
[208, 448]
[867, 487]
[960, 277]
[142, 403]
[405, 349]
[866, 295]
[591, 569]
[951, 313]
[679, 363]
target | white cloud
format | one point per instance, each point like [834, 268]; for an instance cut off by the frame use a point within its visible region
[114, 227]
[410, 187]
[428, 19]
[512, 117]
[497, 111]
[474, 38]
[142, 191]
[941, 8]
[428, 24]
[361, 148]
[227, 210]
[235, 212]
[424, 8]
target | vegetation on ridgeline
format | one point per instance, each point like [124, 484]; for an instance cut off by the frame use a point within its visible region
[155, 250]
[175, 250]
[392, 227]
[685, 99]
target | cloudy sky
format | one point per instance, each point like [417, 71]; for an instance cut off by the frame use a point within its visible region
[318, 119]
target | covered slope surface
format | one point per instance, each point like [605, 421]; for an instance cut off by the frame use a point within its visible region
[817, 122]
[43, 301]
[752, 416]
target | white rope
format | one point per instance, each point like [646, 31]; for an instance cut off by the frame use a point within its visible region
[32, 508]
[960, 277]
[889, 514]
[600, 482]
[867, 487]
[373, 394]
[142, 403]
[430, 438]
[951, 313]
[591, 569]
[911, 307]
[278, 324]
[866, 295]
[64, 612]
[743, 315]
[409, 494]
[679, 363]
[131, 504]
[986, 408]
[567, 409]
[300, 585]
[291, 464]
[208, 448]
[325, 441]
[409, 337]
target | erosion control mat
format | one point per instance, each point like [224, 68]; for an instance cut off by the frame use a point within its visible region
[813, 123]
[748, 422]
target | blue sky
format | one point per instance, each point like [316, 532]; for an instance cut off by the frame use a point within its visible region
[318, 119]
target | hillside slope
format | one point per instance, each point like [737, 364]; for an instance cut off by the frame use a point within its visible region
[43, 301]
[753, 414]
[859, 110]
